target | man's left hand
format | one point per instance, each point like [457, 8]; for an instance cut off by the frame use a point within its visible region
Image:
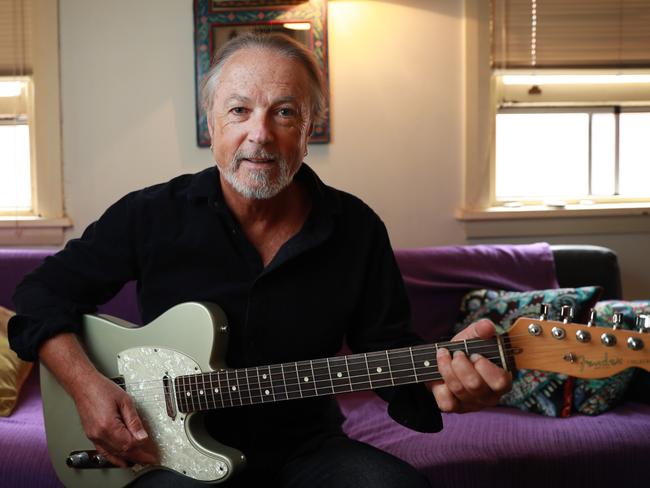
[469, 383]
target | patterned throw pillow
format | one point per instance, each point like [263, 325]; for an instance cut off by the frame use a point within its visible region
[639, 388]
[541, 392]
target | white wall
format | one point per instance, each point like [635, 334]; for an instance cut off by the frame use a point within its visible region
[128, 107]
[396, 78]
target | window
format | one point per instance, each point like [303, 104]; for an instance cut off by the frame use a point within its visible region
[562, 147]
[15, 153]
[31, 196]
[557, 108]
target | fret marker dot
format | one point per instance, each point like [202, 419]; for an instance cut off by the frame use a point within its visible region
[339, 375]
[306, 379]
[379, 370]
[200, 392]
[263, 376]
[216, 390]
[266, 392]
[234, 388]
[188, 393]
[427, 364]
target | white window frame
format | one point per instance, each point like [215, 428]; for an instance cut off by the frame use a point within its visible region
[479, 213]
[45, 226]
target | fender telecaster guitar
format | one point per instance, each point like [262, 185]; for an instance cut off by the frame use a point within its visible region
[174, 369]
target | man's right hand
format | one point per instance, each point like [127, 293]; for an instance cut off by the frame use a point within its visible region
[111, 422]
[108, 416]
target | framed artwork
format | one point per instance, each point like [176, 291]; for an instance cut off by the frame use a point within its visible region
[217, 21]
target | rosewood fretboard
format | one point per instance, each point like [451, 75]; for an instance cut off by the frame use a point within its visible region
[339, 374]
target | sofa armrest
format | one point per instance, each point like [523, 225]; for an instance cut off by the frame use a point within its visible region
[584, 265]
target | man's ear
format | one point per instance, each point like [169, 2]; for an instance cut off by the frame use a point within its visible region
[208, 117]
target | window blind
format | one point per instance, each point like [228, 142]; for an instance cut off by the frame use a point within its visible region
[16, 37]
[570, 34]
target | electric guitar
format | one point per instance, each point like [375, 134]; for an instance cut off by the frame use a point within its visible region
[174, 370]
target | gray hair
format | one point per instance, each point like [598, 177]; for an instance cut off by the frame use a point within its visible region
[283, 45]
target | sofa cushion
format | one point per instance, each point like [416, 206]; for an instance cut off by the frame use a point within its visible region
[551, 394]
[13, 371]
[639, 389]
[437, 278]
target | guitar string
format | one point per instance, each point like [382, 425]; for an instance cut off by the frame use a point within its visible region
[418, 354]
[394, 354]
[194, 379]
[211, 401]
[418, 351]
[257, 396]
[258, 387]
[252, 388]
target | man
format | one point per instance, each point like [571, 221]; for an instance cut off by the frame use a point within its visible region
[295, 265]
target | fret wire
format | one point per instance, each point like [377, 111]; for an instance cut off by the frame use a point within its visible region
[271, 383]
[347, 367]
[179, 393]
[248, 385]
[365, 357]
[192, 396]
[259, 382]
[223, 399]
[330, 374]
[241, 402]
[181, 390]
[201, 388]
[298, 378]
[214, 402]
[232, 403]
[413, 363]
[284, 382]
[219, 391]
[313, 377]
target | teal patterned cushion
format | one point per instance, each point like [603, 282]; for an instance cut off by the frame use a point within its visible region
[542, 392]
[639, 388]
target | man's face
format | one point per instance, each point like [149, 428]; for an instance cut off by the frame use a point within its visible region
[260, 121]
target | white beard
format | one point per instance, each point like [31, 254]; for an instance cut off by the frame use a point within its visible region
[257, 184]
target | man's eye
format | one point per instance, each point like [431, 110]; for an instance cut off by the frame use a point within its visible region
[287, 112]
[238, 110]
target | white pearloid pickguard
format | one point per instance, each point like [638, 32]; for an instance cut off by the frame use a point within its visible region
[143, 369]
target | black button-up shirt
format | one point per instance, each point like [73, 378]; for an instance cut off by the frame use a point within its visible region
[335, 279]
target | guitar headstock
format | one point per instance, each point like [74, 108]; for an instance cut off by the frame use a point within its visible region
[577, 350]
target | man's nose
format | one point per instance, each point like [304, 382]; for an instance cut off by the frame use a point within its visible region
[260, 131]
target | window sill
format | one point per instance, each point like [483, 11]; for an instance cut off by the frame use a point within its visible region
[32, 231]
[619, 218]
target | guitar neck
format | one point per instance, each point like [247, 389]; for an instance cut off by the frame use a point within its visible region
[319, 377]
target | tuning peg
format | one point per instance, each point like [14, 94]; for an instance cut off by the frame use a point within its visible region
[566, 313]
[617, 320]
[544, 310]
[592, 318]
[643, 323]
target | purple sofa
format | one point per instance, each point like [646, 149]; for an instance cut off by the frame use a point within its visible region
[496, 447]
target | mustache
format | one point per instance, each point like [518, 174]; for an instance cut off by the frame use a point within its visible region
[256, 154]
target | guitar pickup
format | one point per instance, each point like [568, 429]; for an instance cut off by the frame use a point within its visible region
[169, 397]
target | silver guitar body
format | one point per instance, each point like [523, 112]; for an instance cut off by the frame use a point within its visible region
[189, 338]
